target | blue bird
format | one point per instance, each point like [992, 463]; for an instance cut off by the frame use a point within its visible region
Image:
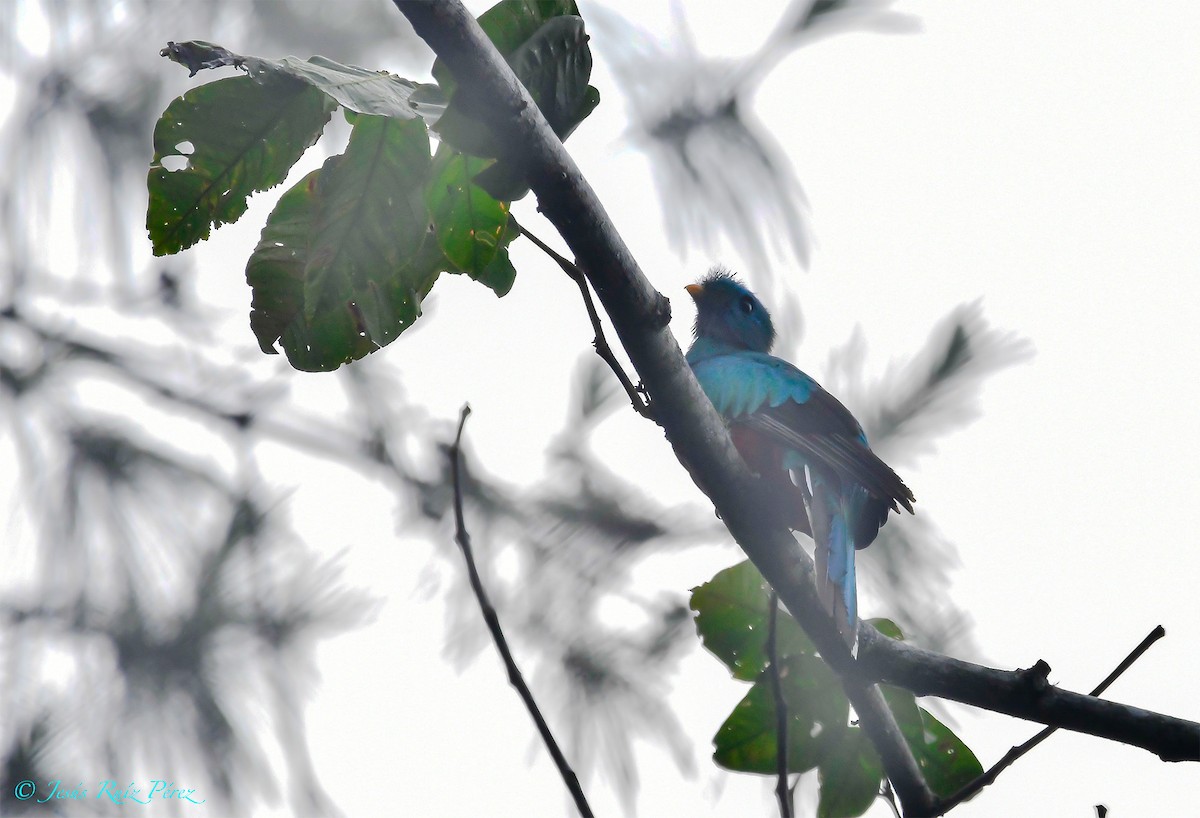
[809, 452]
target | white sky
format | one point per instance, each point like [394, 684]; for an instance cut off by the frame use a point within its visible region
[1042, 156]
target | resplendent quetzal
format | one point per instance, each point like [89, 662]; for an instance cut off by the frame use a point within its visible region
[808, 450]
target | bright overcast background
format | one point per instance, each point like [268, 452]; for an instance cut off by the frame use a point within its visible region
[1042, 157]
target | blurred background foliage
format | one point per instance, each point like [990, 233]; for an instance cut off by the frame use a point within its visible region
[154, 601]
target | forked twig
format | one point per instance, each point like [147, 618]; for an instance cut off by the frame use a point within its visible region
[1014, 753]
[493, 624]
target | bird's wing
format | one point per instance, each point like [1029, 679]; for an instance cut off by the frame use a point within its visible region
[771, 396]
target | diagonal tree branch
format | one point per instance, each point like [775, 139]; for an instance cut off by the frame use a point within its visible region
[493, 623]
[1026, 694]
[640, 316]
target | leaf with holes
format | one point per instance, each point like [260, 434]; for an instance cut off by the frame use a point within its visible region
[218, 144]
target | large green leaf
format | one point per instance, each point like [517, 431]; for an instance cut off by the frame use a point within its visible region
[358, 89]
[344, 260]
[508, 24]
[732, 611]
[371, 217]
[816, 716]
[849, 777]
[218, 144]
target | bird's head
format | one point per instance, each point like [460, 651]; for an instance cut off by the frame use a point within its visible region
[727, 312]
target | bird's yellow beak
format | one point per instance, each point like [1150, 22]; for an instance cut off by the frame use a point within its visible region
[695, 290]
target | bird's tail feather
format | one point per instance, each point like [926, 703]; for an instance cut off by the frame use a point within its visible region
[831, 515]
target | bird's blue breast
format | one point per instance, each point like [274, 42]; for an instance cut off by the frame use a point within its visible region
[744, 382]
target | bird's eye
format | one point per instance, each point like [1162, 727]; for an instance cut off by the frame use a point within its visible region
[746, 305]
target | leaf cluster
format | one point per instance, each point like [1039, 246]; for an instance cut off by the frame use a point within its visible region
[733, 619]
[351, 250]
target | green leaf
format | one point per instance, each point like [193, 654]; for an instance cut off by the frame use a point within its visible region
[371, 218]
[554, 64]
[469, 223]
[500, 274]
[903, 705]
[358, 89]
[732, 617]
[948, 764]
[232, 138]
[945, 761]
[275, 273]
[344, 260]
[816, 708]
[888, 628]
[508, 24]
[849, 777]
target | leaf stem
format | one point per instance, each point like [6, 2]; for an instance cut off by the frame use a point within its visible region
[636, 396]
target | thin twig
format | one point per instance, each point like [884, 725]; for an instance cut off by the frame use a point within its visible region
[493, 623]
[636, 396]
[781, 716]
[1015, 753]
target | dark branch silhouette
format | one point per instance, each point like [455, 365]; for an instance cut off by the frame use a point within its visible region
[1026, 694]
[493, 623]
[782, 793]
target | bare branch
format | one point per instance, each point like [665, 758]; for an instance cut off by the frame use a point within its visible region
[781, 717]
[493, 624]
[970, 790]
[1026, 694]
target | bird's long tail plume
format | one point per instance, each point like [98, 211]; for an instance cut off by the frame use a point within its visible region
[830, 513]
